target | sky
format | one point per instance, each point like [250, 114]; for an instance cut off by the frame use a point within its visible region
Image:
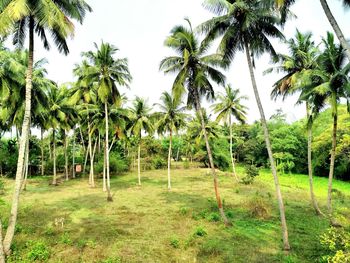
[139, 28]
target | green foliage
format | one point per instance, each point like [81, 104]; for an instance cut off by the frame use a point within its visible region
[214, 217]
[200, 231]
[38, 251]
[159, 162]
[174, 242]
[251, 172]
[2, 187]
[65, 239]
[117, 164]
[258, 207]
[115, 259]
[337, 244]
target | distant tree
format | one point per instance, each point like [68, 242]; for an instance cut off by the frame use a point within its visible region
[141, 120]
[195, 71]
[229, 106]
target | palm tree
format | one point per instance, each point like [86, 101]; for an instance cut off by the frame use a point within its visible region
[107, 72]
[171, 119]
[39, 16]
[330, 84]
[297, 67]
[247, 25]
[230, 105]
[284, 6]
[84, 92]
[194, 71]
[141, 120]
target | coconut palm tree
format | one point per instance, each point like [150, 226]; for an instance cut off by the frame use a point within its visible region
[107, 72]
[247, 25]
[297, 66]
[195, 71]
[284, 5]
[141, 121]
[230, 106]
[170, 119]
[41, 17]
[331, 83]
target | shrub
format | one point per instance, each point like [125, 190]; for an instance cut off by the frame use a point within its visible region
[259, 208]
[159, 163]
[38, 251]
[337, 244]
[251, 172]
[200, 231]
[65, 239]
[117, 164]
[175, 242]
[214, 217]
[183, 211]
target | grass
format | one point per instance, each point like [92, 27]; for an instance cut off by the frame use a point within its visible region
[151, 224]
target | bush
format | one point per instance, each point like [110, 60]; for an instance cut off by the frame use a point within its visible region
[159, 163]
[251, 172]
[337, 244]
[200, 231]
[65, 239]
[117, 164]
[213, 217]
[259, 208]
[175, 242]
[38, 251]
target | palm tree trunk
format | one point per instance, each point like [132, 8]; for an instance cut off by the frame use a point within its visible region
[139, 162]
[54, 181]
[25, 133]
[336, 28]
[211, 160]
[169, 159]
[89, 152]
[42, 151]
[331, 168]
[109, 196]
[309, 162]
[65, 155]
[73, 155]
[231, 151]
[92, 154]
[104, 170]
[269, 150]
[2, 254]
[25, 171]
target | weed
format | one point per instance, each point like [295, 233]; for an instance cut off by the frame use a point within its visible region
[200, 231]
[183, 211]
[38, 250]
[65, 239]
[175, 242]
[258, 207]
[213, 217]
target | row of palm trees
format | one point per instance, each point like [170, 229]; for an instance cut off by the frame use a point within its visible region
[248, 26]
[240, 25]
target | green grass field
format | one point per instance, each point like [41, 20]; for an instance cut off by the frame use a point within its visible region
[151, 224]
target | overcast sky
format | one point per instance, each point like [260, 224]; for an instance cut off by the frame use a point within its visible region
[139, 28]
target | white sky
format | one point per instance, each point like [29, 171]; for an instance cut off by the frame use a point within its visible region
[139, 28]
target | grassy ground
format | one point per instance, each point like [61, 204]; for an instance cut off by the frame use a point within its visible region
[151, 224]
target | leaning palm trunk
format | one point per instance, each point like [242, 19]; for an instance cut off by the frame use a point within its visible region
[42, 151]
[91, 174]
[2, 254]
[331, 168]
[25, 133]
[54, 181]
[211, 160]
[309, 162]
[26, 164]
[231, 151]
[109, 196]
[139, 162]
[336, 28]
[73, 155]
[269, 150]
[66, 156]
[169, 160]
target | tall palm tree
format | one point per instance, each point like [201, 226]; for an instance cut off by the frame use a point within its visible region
[84, 92]
[331, 83]
[107, 72]
[228, 107]
[170, 119]
[297, 65]
[141, 121]
[195, 71]
[284, 5]
[40, 16]
[247, 25]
